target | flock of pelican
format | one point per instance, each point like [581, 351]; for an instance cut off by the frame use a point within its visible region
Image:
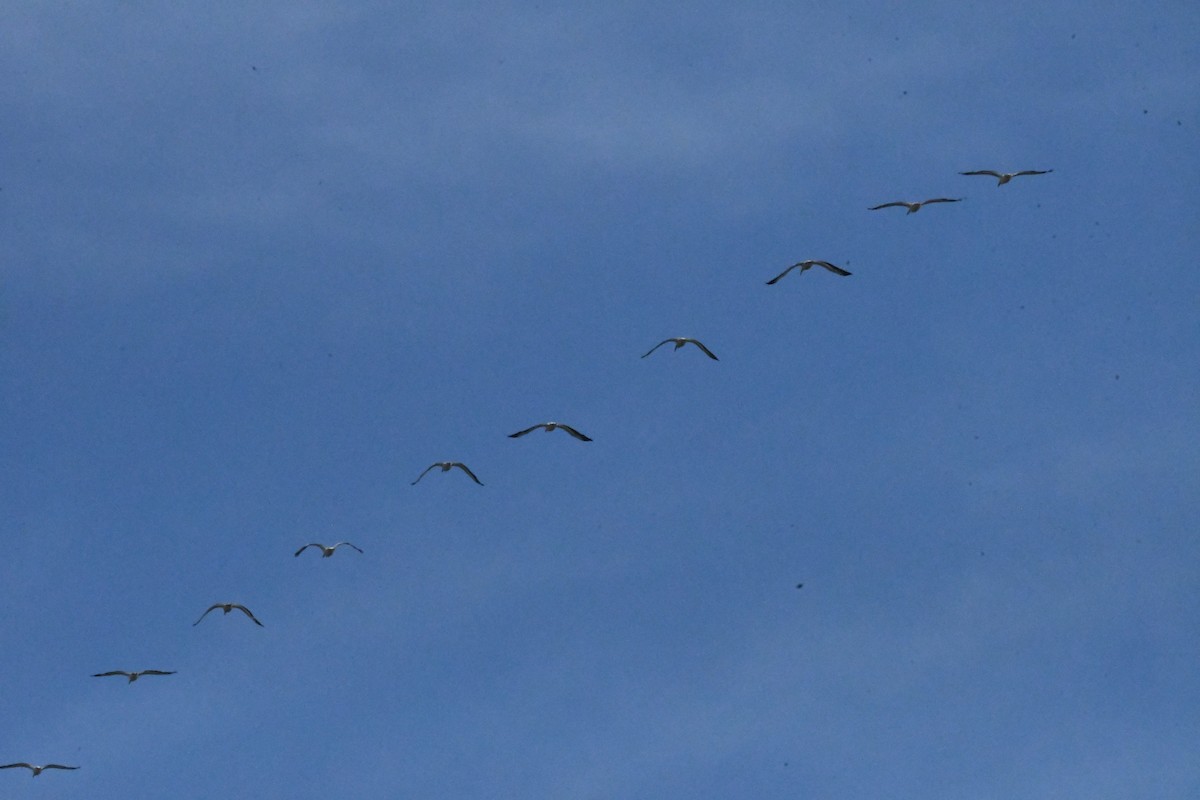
[445, 466]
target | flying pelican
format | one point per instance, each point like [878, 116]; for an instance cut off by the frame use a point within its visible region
[806, 265]
[1004, 177]
[680, 341]
[133, 676]
[227, 607]
[549, 426]
[915, 207]
[36, 770]
[326, 552]
[446, 465]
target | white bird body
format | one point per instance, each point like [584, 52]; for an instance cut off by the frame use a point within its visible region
[915, 207]
[807, 265]
[550, 426]
[1004, 177]
[227, 607]
[326, 552]
[133, 676]
[34, 768]
[680, 341]
[446, 466]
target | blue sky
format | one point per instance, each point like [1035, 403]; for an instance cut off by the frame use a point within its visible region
[259, 267]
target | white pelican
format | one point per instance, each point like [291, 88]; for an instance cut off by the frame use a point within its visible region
[549, 426]
[326, 552]
[227, 607]
[446, 466]
[915, 207]
[806, 265]
[36, 770]
[1004, 177]
[680, 341]
[133, 676]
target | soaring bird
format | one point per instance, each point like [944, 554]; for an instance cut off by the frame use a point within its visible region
[446, 466]
[549, 426]
[1004, 177]
[133, 676]
[680, 341]
[326, 552]
[806, 265]
[915, 207]
[227, 607]
[36, 769]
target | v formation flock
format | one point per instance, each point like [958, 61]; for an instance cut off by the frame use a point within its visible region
[445, 466]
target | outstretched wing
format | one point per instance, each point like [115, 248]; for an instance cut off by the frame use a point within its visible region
[157, 672]
[58, 766]
[941, 200]
[834, 268]
[24, 764]
[246, 611]
[1033, 172]
[707, 352]
[574, 433]
[779, 277]
[422, 475]
[527, 430]
[660, 344]
[991, 172]
[205, 614]
[339, 544]
[896, 204]
[467, 470]
[298, 552]
[114, 672]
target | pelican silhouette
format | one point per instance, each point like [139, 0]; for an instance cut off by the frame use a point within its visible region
[807, 265]
[1004, 177]
[680, 341]
[36, 769]
[446, 466]
[915, 207]
[227, 607]
[549, 426]
[326, 552]
[133, 676]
